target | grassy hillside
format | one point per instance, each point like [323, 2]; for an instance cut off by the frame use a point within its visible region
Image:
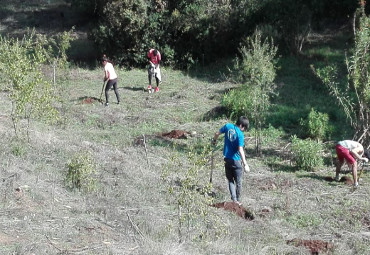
[142, 173]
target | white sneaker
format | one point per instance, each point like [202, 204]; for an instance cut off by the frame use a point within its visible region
[355, 185]
[237, 202]
[337, 178]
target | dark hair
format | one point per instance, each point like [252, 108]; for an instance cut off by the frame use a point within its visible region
[105, 58]
[367, 154]
[243, 121]
[155, 52]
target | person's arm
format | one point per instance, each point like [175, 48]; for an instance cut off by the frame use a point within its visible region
[215, 137]
[358, 152]
[106, 75]
[242, 155]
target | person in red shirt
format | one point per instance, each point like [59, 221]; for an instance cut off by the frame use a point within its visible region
[154, 57]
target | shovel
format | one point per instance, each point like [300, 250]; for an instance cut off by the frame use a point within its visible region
[101, 94]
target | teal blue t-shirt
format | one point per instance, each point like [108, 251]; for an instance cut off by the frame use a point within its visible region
[234, 138]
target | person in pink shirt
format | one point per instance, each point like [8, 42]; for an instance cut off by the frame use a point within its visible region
[110, 75]
[154, 57]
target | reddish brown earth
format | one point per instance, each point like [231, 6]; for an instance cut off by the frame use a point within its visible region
[346, 179]
[235, 208]
[88, 100]
[315, 246]
[176, 134]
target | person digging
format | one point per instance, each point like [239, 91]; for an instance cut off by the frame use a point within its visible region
[110, 76]
[154, 58]
[350, 151]
[234, 155]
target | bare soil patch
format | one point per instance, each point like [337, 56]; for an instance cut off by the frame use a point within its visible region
[315, 246]
[235, 208]
[176, 134]
[89, 100]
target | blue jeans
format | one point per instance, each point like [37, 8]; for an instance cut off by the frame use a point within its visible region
[234, 173]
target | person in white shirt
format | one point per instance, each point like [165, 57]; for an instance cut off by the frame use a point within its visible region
[350, 151]
[110, 75]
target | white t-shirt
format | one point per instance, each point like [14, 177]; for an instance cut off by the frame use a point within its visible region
[349, 144]
[109, 68]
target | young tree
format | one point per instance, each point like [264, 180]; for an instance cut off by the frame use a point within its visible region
[257, 70]
[355, 97]
[30, 92]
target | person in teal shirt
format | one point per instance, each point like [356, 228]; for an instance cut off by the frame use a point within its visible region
[234, 155]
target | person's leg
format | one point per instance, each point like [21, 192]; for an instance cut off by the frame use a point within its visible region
[107, 88]
[238, 173]
[115, 87]
[229, 171]
[340, 155]
[150, 75]
[354, 173]
[337, 169]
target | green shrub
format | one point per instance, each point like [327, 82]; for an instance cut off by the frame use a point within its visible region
[316, 125]
[81, 172]
[30, 91]
[256, 69]
[196, 220]
[307, 153]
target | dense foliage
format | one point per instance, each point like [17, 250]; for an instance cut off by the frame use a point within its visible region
[354, 95]
[190, 32]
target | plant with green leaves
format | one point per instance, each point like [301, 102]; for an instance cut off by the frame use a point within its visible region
[316, 125]
[354, 96]
[307, 154]
[30, 92]
[257, 70]
[81, 172]
[197, 220]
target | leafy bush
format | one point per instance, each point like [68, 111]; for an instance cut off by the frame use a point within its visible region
[256, 69]
[307, 153]
[29, 90]
[316, 125]
[195, 218]
[81, 172]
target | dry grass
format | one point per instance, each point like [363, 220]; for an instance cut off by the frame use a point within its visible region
[132, 212]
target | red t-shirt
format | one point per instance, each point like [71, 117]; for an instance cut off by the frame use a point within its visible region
[154, 59]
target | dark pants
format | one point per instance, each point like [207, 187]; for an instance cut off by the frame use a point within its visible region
[234, 173]
[151, 74]
[109, 85]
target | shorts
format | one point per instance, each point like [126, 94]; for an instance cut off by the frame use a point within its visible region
[344, 153]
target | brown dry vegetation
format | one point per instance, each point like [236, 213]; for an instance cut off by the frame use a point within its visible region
[132, 210]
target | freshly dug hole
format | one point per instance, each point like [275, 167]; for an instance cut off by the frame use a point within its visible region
[315, 246]
[238, 209]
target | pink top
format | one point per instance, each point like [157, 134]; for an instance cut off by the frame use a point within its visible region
[154, 59]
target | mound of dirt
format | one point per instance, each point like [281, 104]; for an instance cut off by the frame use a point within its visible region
[234, 207]
[176, 134]
[315, 246]
[345, 179]
[88, 100]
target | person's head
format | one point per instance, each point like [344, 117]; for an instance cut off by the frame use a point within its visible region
[104, 60]
[155, 52]
[367, 154]
[243, 123]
